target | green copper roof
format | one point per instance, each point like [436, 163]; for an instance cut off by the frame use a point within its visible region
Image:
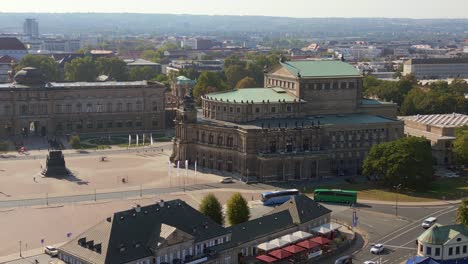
[257, 95]
[321, 69]
[439, 234]
[182, 80]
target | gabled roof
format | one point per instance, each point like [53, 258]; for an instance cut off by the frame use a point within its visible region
[302, 209]
[256, 95]
[131, 235]
[320, 68]
[440, 235]
[10, 43]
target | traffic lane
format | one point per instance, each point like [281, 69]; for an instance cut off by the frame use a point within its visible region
[400, 244]
[409, 212]
[373, 225]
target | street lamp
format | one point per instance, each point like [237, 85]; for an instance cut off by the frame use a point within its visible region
[397, 188]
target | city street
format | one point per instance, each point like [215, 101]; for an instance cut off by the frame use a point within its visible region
[379, 224]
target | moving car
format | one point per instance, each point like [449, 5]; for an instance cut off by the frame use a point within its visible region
[377, 249]
[51, 251]
[227, 180]
[428, 222]
[344, 260]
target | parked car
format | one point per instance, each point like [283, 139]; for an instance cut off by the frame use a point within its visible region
[377, 249]
[344, 260]
[371, 262]
[51, 251]
[428, 222]
[227, 180]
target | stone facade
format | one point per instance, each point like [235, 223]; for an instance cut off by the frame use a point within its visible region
[305, 127]
[50, 109]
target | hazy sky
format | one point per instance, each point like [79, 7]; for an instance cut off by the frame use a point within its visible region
[290, 8]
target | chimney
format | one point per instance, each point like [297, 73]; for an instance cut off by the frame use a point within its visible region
[161, 203]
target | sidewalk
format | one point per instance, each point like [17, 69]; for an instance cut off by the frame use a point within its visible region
[25, 254]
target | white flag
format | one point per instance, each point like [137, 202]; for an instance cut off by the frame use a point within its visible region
[129, 140]
[186, 163]
[137, 140]
[151, 140]
[143, 139]
[195, 167]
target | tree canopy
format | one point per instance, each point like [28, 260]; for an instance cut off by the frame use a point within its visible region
[45, 64]
[247, 82]
[460, 145]
[211, 207]
[235, 73]
[81, 70]
[208, 82]
[462, 213]
[113, 67]
[142, 73]
[237, 210]
[407, 161]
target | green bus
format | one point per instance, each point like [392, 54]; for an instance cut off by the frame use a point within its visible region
[335, 196]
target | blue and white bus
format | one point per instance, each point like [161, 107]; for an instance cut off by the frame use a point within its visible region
[278, 197]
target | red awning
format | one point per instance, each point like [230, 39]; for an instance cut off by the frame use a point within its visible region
[280, 254]
[294, 249]
[320, 240]
[266, 258]
[308, 244]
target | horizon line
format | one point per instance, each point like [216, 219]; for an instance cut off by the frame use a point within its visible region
[238, 15]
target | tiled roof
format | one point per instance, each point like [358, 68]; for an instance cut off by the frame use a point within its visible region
[257, 95]
[439, 234]
[302, 209]
[131, 235]
[442, 120]
[9, 43]
[321, 68]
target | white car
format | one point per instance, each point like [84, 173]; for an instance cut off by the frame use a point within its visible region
[227, 180]
[377, 249]
[371, 262]
[51, 251]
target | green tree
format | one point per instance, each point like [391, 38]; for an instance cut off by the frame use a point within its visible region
[142, 73]
[45, 64]
[237, 210]
[234, 60]
[211, 207]
[462, 213]
[113, 67]
[208, 82]
[407, 161]
[75, 142]
[81, 70]
[190, 73]
[247, 82]
[460, 145]
[235, 73]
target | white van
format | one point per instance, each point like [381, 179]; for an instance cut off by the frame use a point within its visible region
[428, 222]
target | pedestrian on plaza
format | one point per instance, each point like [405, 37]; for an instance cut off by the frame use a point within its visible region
[34, 179]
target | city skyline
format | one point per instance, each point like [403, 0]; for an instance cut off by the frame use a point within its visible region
[333, 8]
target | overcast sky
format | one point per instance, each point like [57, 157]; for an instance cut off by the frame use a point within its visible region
[289, 8]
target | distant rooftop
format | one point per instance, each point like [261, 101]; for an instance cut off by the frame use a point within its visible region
[437, 61]
[140, 62]
[256, 95]
[321, 68]
[9, 43]
[441, 120]
[439, 234]
[78, 84]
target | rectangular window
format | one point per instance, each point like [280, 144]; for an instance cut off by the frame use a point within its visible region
[343, 85]
[289, 108]
[450, 251]
[257, 110]
[351, 85]
[69, 126]
[119, 124]
[99, 124]
[129, 124]
[238, 110]
[437, 251]
[89, 125]
[273, 109]
[224, 109]
[109, 124]
[79, 126]
[231, 109]
[138, 124]
[464, 249]
[155, 123]
[428, 251]
[457, 250]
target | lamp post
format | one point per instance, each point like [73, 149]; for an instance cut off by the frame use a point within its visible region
[397, 188]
